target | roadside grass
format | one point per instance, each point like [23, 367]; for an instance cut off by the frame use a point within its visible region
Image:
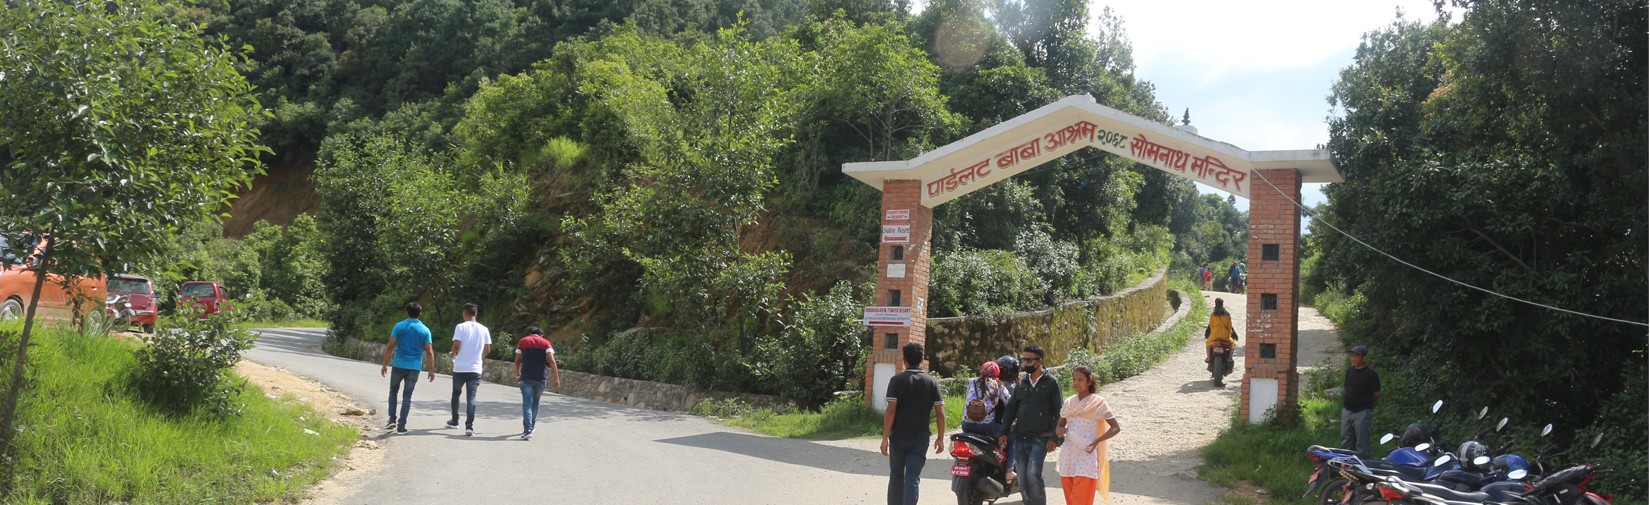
[851, 418]
[1272, 454]
[839, 419]
[285, 323]
[86, 437]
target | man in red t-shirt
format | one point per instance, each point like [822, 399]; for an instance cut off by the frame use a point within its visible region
[533, 356]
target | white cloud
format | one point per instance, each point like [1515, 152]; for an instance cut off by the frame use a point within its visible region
[1219, 38]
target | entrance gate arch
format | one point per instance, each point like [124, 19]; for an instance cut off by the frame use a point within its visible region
[1269, 179]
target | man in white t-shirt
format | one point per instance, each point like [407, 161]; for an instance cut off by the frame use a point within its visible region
[471, 342]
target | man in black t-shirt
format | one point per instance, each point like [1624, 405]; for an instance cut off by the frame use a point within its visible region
[905, 426]
[1363, 388]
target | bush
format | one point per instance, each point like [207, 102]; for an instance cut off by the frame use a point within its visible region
[185, 366]
[815, 353]
[981, 282]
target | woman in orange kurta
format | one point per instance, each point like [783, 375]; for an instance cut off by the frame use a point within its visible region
[1083, 465]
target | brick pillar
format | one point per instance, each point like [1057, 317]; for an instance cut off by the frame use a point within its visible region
[901, 268]
[1274, 268]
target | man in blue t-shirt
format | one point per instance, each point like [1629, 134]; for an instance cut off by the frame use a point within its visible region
[410, 347]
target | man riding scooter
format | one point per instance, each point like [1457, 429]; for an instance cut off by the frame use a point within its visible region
[1219, 334]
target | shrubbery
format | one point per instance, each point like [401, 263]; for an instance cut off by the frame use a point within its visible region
[186, 364]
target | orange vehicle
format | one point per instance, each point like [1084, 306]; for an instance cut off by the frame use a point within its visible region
[82, 296]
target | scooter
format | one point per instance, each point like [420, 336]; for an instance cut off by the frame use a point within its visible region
[980, 472]
[1220, 363]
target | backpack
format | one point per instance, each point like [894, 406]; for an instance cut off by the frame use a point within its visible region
[975, 410]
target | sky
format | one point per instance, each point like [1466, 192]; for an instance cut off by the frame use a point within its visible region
[1254, 74]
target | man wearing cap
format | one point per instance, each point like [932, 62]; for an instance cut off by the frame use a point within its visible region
[1363, 389]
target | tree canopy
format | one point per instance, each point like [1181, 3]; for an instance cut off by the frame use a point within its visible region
[1505, 151]
[118, 125]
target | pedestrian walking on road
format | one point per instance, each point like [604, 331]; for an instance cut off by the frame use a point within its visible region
[1208, 275]
[911, 396]
[409, 345]
[1083, 465]
[471, 343]
[1363, 389]
[534, 356]
[1033, 412]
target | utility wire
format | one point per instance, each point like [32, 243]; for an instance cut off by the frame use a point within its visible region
[1434, 274]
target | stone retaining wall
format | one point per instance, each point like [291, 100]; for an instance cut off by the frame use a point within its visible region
[635, 393]
[957, 344]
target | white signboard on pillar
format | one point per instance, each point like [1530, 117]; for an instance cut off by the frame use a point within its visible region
[896, 215]
[1263, 396]
[881, 373]
[887, 316]
[900, 234]
[896, 270]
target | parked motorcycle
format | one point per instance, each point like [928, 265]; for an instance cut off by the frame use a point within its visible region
[118, 310]
[980, 472]
[1220, 363]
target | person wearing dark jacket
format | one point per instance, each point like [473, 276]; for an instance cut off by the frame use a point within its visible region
[1032, 413]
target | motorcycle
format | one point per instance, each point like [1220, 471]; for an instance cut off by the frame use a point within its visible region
[118, 310]
[1220, 363]
[980, 472]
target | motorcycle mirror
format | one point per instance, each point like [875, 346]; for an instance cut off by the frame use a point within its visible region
[1548, 430]
[1437, 405]
[1441, 460]
[1387, 438]
[1596, 439]
[1502, 424]
[1481, 460]
[1423, 446]
[1483, 412]
[1518, 474]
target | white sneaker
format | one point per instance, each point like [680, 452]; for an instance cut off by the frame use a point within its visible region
[452, 425]
[469, 433]
[527, 436]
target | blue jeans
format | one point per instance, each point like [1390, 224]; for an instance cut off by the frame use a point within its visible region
[398, 376]
[1029, 453]
[461, 382]
[531, 390]
[905, 461]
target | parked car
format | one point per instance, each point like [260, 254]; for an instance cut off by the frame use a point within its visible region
[140, 294]
[57, 301]
[207, 295]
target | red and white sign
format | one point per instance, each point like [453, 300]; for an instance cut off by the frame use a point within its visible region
[900, 234]
[887, 316]
[896, 215]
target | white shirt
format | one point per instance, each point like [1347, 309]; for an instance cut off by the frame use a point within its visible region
[470, 336]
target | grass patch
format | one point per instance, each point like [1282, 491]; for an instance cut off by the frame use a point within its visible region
[87, 438]
[839, 419]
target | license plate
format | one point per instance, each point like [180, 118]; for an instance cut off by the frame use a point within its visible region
[959, 470]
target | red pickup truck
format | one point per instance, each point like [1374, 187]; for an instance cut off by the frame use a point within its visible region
[209, 296]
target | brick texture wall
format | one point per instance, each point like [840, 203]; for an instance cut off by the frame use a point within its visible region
[902, 195]
[1273, 220]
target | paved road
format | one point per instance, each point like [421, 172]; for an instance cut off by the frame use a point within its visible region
[590, 452]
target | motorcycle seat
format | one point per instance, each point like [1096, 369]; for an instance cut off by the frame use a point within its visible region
[1452, 495]
[975, 438]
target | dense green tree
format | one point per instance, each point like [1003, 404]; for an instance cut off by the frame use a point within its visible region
[117, 126]
[1507, 152]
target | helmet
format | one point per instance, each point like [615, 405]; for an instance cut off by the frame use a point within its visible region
[1416, 434]
[1510, 462]
[990, 369]
[1471, 450]
[1008, 368]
